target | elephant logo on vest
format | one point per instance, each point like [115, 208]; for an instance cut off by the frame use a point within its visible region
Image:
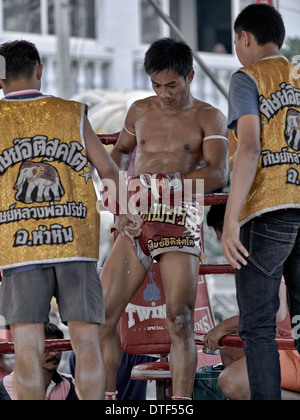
[292, 130]
[38, 182]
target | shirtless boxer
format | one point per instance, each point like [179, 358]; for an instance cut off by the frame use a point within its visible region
[177, 137]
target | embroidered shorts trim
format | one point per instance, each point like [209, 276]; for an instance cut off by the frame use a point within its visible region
[172, 227]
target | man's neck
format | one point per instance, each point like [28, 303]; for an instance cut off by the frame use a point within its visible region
[23, 93]
[20, 85]
[266, 51]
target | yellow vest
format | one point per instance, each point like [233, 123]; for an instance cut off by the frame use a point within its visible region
[47, 202]
[277, 182]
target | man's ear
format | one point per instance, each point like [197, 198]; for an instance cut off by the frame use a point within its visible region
[247, 38]
[39, 71]
[190, 77]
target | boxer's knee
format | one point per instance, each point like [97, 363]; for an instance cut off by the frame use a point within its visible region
[180, 322]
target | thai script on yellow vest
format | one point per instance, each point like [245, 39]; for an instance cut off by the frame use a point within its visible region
[48, 202]
[277, 182]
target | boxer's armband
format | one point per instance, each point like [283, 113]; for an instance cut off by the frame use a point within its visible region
[215, 138]
[129, 132]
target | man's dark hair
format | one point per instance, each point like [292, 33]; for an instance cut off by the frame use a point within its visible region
[21, 58]
[52, 331]
[169, 54]
[262, 21]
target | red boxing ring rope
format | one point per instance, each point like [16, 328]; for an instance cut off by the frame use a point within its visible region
[216, 269]
[215, 199]
[109, 139]
[50, 345]
[233, 341]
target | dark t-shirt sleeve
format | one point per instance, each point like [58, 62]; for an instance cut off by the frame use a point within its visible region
[243, 98]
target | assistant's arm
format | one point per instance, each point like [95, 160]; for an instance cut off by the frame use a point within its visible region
[107, 169]
[244, 171]
[244, 114]
[127, 142]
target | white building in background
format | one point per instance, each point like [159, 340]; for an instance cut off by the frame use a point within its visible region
[109, 38]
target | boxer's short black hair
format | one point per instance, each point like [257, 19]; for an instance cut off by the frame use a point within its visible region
[169, 54]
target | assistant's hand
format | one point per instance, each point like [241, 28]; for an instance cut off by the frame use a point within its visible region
[234, 250]
[130, 224]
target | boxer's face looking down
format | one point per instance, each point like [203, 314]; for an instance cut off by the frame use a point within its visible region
[172, 89]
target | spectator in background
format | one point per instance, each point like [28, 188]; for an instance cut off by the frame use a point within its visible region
[234, 381]
[220, 48]
[58, 387]
[7, 362]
